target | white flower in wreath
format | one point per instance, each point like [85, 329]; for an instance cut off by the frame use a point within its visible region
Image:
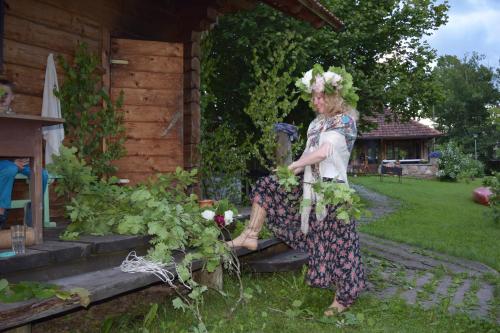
[228, 217]
[319, 84]
[208, 215]
[333, 78]
[306, 80]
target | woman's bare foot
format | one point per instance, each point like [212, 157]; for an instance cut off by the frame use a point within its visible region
[246, 239]
[334, 308]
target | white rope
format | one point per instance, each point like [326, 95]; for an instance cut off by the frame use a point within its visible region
[137, 264]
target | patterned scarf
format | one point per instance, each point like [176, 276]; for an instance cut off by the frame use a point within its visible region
[344, 125]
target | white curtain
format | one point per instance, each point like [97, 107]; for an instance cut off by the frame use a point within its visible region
[51, 107]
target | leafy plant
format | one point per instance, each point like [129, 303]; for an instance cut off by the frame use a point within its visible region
[223, 162]
[93, 124]
[162, 208]
[345, 200]
[271, 99]
[454, 164]
[74, 173]
[25, 290]
[494, 183]
[286, 178]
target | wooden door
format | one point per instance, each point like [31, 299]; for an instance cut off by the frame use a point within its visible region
[150, 74]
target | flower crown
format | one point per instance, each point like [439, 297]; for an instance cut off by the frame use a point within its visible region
[335, 79]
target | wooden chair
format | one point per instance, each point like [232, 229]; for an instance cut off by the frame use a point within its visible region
[22, 203]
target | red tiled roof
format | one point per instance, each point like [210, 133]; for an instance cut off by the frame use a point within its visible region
[396, 129]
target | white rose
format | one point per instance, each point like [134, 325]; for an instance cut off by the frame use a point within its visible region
[228, 217]
[306, 80]
[332, 78]
[208, 215]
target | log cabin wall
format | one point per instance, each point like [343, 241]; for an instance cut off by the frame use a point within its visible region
[35, 28]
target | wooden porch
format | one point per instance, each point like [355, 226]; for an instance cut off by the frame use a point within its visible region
[92, 262]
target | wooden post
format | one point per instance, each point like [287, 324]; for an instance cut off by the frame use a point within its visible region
[283, 149]
[212, 280]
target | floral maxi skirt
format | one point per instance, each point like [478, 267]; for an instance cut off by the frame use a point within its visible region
[332, 245]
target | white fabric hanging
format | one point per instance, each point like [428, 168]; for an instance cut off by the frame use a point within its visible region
[51, 107]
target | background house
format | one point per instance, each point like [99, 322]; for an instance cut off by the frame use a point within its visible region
[392, 140]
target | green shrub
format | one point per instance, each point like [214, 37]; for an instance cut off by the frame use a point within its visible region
[454, 164]
[494, 183]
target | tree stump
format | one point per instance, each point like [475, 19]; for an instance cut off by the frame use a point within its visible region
[212, 280]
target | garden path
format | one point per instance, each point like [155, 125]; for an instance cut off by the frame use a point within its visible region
[423, 277]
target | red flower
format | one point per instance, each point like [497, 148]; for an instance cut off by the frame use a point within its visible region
[219, 219]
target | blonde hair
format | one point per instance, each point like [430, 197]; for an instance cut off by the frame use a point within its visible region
[335, 104]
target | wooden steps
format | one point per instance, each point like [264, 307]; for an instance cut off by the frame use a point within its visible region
[290, 260]
[92, 263]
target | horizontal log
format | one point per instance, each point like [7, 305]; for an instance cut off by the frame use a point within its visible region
[29, 55]
[191, 129]
[192, 49]
[153, 164]
[137, 177]
[142, 63]
[122, 47]
[148, 113]
[54, 17]
[27, 80]
[191, 107]
[124, 78]
[154, 130]
[38, 35]
[155, 97]
[27, 104]
[192, 64]
[192, 96]
[151, 147]
[192, 80]
[191, 156]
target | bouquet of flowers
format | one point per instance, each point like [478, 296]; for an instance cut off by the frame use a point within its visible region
[222, 213]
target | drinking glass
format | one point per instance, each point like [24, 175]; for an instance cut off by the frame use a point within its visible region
[18, 238]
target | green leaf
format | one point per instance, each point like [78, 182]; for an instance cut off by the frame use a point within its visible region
[3, 284]
[151, 315]
[84, 295]
[178, 303]
[344, 216]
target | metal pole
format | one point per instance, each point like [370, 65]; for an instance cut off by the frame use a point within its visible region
[475, 149]
[475, 145]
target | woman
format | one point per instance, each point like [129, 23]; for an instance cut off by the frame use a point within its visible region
[332, 245]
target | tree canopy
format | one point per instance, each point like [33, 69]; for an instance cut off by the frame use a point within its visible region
[469, 103]
[381, 46]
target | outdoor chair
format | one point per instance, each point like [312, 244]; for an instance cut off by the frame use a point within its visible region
[25, 203]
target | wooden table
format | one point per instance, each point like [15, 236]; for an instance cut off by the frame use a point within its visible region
[21, 136]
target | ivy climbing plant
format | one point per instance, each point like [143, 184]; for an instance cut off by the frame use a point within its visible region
[93, 123]
[272, 99]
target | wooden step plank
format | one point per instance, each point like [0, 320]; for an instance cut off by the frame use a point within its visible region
[291, 260]
[101, 284]
[62, 251]
[112, 243]
[30, 260]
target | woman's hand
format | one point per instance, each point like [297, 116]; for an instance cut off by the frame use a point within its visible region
[21, 162]
[296, 169]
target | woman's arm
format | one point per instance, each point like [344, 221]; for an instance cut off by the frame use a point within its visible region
[311, 158]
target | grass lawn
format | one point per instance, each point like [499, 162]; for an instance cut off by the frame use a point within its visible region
[437, 215]
[282, 302]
